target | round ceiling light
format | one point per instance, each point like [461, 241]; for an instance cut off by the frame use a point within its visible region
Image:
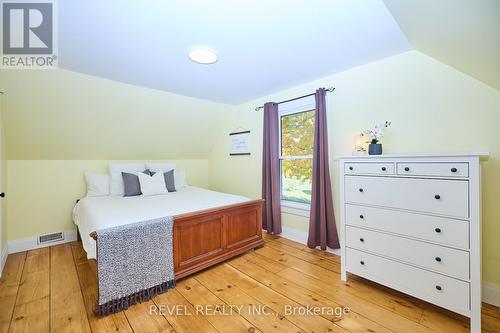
[203, 56]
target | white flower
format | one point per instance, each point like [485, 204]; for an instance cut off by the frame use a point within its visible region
[377, 132]
[370, 134]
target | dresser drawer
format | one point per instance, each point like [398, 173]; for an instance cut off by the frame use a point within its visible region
[435, 257]
[444, 197]
[435, 229]
[432, 287]
[369, 168]
[434, 169]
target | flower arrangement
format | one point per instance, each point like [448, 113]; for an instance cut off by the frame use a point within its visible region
[374, 135]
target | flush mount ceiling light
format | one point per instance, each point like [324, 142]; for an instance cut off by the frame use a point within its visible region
[203, 56]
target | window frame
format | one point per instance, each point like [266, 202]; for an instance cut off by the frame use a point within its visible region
[290, 206]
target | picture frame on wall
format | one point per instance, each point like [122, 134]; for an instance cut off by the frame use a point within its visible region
[240, 143]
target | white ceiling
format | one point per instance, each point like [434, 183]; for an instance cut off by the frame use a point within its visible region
[464, 34]
[263, 46]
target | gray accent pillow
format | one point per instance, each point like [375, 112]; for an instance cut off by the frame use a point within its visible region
[131, 183]
[169, 180]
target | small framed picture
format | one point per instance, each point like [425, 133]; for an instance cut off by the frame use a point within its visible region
[240, 143]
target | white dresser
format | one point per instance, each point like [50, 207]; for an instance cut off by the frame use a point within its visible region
[413, 223]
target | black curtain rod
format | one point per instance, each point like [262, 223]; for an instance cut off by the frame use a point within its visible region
[331, 89]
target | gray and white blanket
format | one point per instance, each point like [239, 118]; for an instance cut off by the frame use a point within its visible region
[134, 263]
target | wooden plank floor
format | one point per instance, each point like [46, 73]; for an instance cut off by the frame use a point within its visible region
[53, 289]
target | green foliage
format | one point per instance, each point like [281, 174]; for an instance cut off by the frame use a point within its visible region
[296, 190]
[297, 134]
[297, 139]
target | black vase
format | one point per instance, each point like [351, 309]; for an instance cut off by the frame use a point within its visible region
[375, 149]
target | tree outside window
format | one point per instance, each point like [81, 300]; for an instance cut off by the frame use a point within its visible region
[296, 149]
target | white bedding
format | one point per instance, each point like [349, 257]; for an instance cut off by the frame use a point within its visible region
[93, 213]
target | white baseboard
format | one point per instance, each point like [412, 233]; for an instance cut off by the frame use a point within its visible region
[491, 293]
[3, 258]
[301, 237]
[30, 243]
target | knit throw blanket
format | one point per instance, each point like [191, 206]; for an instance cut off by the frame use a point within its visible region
[134, 264]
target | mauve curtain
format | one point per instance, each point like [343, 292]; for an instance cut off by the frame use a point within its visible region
[271, 219]
[322, 229]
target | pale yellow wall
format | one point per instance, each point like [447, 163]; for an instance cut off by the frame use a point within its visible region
[432, 107]
[464, 34]
[59, 114]
[3, 183]
[59, 124]
[42, 193]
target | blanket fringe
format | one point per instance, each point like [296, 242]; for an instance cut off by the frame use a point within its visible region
[123, 303]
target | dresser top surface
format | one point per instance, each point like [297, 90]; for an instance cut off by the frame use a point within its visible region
[482, 155]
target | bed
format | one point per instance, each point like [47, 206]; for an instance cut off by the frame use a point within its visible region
[209, 226]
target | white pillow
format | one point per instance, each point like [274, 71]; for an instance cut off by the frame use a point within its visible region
[116, 186]
[97, 184]
[152, 185]
[160, 167]
[180, 179]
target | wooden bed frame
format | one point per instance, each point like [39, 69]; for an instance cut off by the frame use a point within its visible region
[205, 238]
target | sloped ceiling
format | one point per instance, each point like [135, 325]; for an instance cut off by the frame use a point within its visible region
[59, 114]
[263, 46]
[464, 34]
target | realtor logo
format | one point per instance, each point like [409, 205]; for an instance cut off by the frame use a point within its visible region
[29, 36]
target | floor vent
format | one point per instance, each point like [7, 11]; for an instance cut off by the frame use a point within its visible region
[56, 236]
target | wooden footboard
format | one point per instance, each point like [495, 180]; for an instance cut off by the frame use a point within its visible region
[205, 238]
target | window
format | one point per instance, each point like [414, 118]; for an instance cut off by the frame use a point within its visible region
[296, 149]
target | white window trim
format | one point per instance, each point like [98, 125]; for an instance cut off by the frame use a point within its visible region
[285, 109]
[303, 157]
[295, 208]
